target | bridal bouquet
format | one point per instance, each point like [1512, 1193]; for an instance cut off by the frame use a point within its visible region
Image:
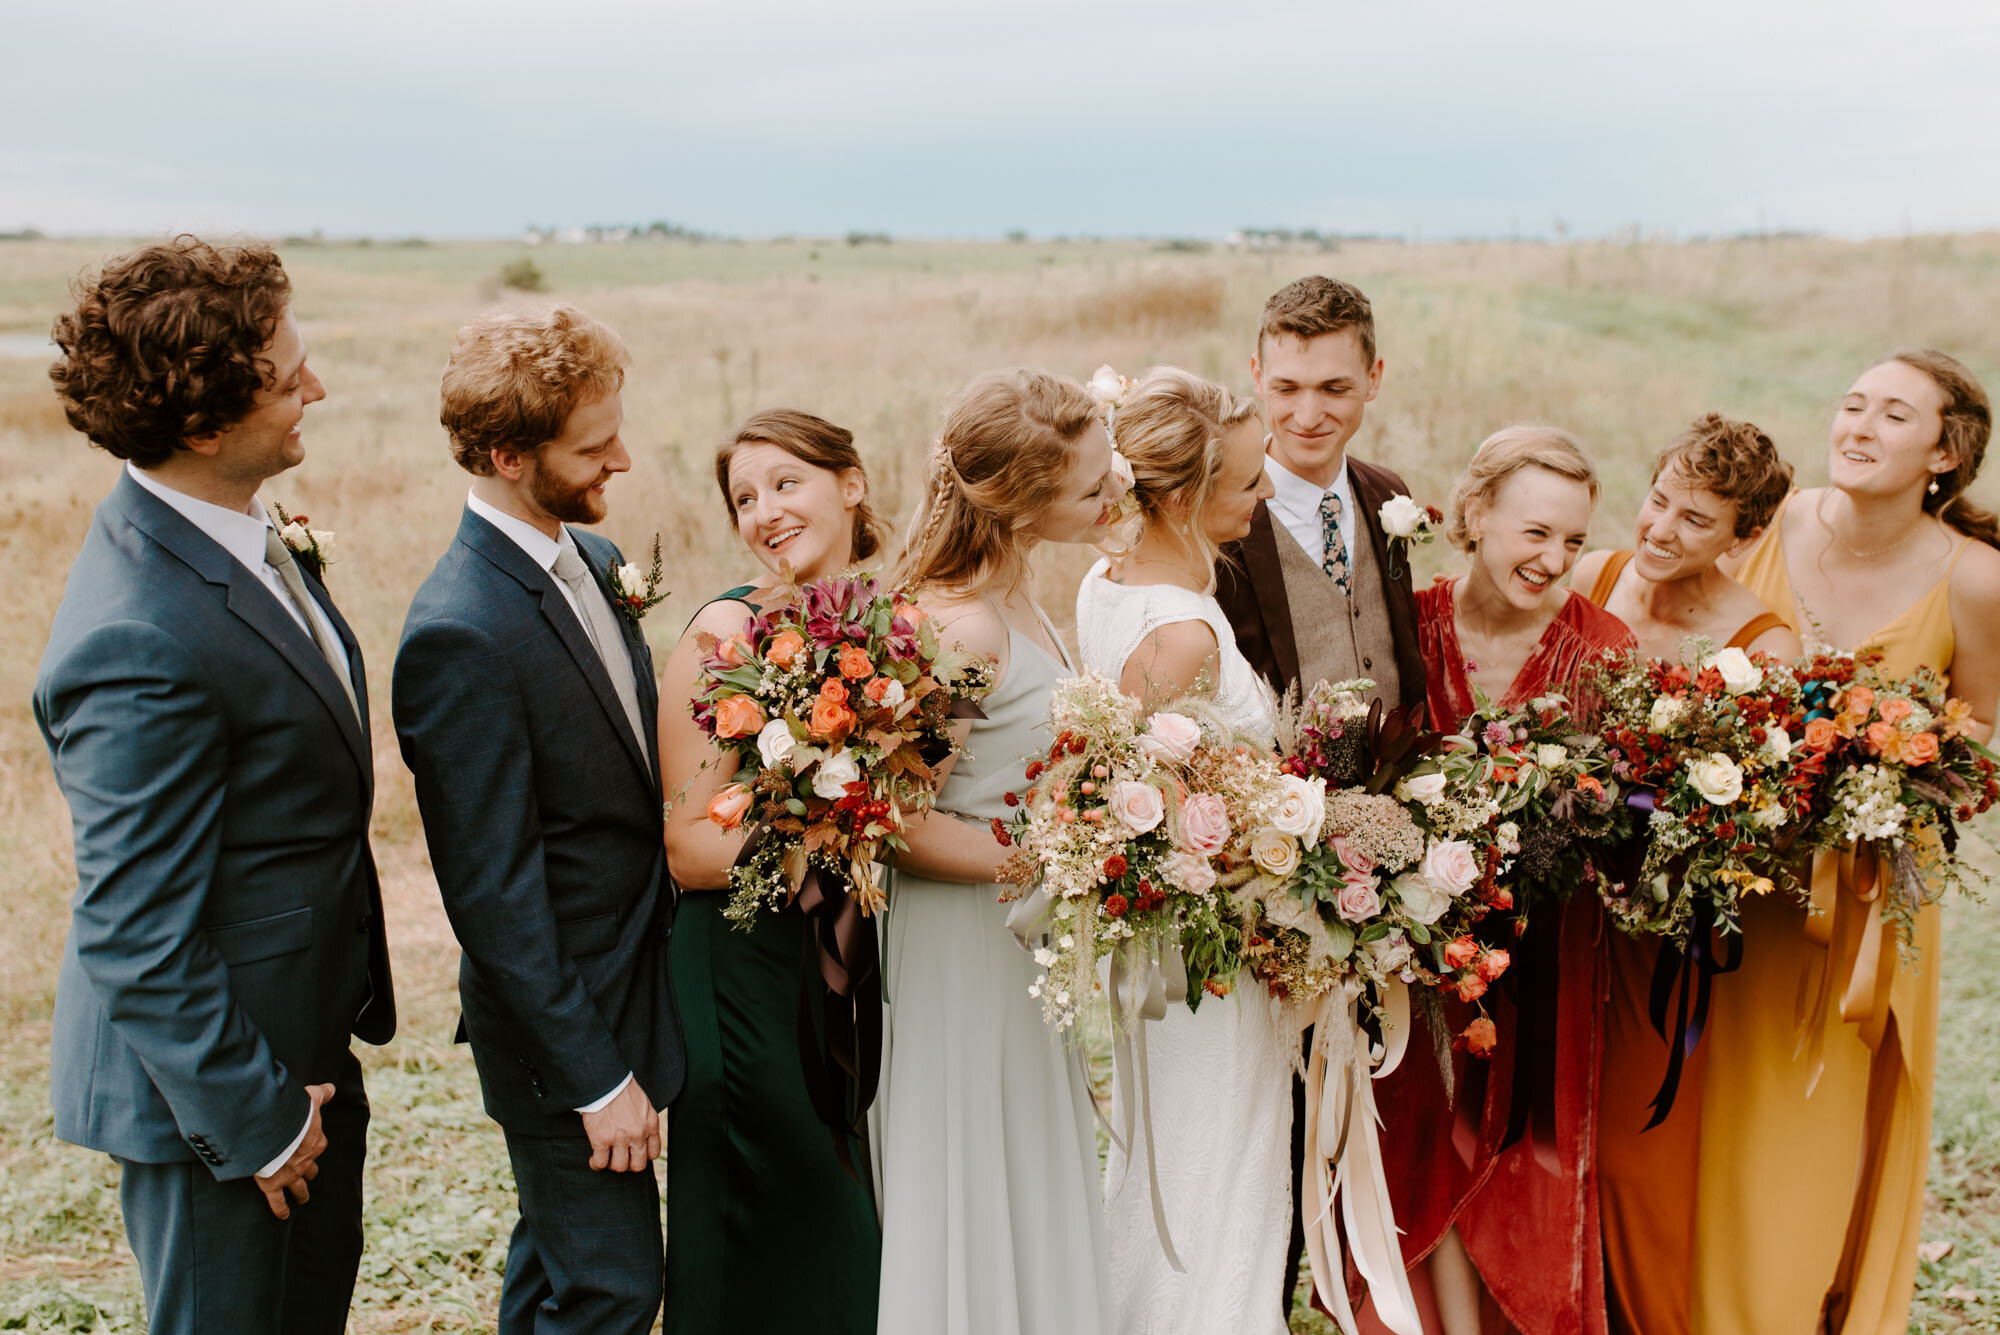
[839, 702]
[1133, 830]
[1711, 745]
[1900, 775]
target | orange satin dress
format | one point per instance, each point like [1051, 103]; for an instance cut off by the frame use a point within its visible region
[1646, 1179]
[1811, 1198]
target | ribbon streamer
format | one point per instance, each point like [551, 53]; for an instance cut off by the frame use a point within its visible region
[1537, 976]
[1146, 978]
[1685, 979]
[1344, 1160]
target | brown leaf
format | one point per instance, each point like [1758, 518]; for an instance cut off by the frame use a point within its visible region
[1934, 1251]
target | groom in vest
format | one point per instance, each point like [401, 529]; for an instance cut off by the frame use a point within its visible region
[1310, 591]
[526, 708]
[205, 707]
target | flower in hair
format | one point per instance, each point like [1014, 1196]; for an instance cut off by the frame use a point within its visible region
[1108, 386]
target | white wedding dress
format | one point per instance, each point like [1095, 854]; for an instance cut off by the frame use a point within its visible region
[1221, 1076]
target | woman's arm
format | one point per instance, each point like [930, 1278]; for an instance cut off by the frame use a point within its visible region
[943, 846]
[1170, 662]
[1975, 626]
[699, 852]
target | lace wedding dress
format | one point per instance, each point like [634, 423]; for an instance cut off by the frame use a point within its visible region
[1221, 1076]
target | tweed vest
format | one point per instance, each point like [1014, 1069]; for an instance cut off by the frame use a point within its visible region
[1339, 637]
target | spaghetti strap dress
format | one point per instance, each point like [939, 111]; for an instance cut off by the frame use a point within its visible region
[751, 1169]
[1646, 1179]
[1813, 1198]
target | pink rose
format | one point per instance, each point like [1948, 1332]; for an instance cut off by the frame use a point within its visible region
[1171, 737]
[1136, 806]
[1358, 900]
[1450, 866]
[1204, 825]
[1350, 857]
[1185, 871]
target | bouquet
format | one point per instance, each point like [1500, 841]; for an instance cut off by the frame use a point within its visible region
[1900, 774]
[839, 702]
[1131, 833]
[1711, 742]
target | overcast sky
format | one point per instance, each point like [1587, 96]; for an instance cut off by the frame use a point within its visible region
[969, 118]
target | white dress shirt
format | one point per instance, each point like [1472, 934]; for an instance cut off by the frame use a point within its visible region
[543, 551]
[1295, 504]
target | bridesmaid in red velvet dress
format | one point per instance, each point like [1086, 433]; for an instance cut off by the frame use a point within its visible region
[1508, 1239]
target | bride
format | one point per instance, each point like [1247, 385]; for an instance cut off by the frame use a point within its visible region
[1221, 1076]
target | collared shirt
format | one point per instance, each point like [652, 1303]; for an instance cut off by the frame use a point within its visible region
[543, 551]
[1295, 504]
[241, 534]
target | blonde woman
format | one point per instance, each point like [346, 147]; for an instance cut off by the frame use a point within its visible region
[1221, 1076]
[991, 1210]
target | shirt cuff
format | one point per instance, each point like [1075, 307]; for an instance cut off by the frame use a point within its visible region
[599, 1105]
[290, 1149]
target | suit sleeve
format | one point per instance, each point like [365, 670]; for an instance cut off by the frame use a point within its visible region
[464, 733]
[140, 750]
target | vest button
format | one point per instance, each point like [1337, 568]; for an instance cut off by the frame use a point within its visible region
[1368, 662]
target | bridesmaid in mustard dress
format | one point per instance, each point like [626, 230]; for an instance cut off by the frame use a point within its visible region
[1812, 1170]
[1714, 489]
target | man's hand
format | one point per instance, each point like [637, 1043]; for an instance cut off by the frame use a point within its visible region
[624, 1133]
[301, 1168]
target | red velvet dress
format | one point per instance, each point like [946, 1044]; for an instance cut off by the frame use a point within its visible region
[1527, 1214]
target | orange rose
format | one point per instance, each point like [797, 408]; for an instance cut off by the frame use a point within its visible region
[1881, 738]
[734, 652]
[1860, 699]
[1920, 748]
[738, 716]
[1957, 717]
[1820, 733]
[876, 689]
[728, 807]
[1479, 1038]
[831, 720]
[854, 662]
[913, 616]
[1894, 710]
[785, 646]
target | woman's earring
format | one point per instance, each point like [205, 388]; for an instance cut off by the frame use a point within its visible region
[1933, 486]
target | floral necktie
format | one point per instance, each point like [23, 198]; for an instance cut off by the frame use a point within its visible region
[1334, 562]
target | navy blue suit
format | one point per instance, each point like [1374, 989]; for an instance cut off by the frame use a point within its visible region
[542, 811]
[226, 936]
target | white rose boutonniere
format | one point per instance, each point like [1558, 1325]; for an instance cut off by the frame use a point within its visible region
[1404, 522]
[311, 548]
[633, 595]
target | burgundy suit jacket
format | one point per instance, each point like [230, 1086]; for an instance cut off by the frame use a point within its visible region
[1251, 589]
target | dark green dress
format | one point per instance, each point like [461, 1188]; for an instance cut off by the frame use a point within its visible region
[765, 1231]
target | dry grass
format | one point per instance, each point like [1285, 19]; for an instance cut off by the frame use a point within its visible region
[1623, 344]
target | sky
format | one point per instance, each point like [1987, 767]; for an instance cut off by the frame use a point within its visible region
[1424, 118]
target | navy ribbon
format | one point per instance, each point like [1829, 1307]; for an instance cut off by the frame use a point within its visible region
[1684, 981]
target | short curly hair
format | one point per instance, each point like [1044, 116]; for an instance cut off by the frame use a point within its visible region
[1734, 460]
[165, 343]
[515, 376]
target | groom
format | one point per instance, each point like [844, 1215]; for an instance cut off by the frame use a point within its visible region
[1313, 592]
[205, 707]
[526, 709]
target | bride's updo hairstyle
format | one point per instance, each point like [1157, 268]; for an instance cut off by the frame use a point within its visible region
[1503, 454]
[1008, 441]
[1732, 460]
[1170, 428]
[1967, 430]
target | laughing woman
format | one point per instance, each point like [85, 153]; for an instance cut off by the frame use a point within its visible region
[748, 1161]
[1813, 1198]
[1714, 489]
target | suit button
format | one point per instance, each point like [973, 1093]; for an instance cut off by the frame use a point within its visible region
[362, 926]
[1368, 662]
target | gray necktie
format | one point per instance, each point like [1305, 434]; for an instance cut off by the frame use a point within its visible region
[279, 558]
[600, 623]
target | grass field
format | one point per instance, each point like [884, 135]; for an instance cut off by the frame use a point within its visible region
[1622, 344]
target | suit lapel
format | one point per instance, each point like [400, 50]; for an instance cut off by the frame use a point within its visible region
[1371, 488]
[357, 674]
[1267, 582]
[629, 635]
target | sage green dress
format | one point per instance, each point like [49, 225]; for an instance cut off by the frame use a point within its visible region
[765, 1230]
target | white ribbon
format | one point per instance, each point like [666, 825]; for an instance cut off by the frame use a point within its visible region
[1344, 1159]
[1146, 978]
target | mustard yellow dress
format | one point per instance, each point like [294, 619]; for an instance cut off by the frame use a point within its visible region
[1812, 1165]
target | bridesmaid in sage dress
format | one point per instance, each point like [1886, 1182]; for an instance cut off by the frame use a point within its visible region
[765, 1229]
[991, 1208]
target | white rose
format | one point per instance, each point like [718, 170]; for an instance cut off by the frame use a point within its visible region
[1390, 955]
[1778, 742]
[1185, 871]
[630, 577]
[1551, 755]
[1423, 901]
[892, 694]
[776, 743]
[1717, 779]
[1425, 788]
[1509, 835]
[1107, 385]
[1137, 806]
[1739, 674]
[1666, 713]
[1451, 866]
[1401, 517]
[1303, 810]
[324, 537]
[1274, 853]
[835, 772]
[294, 535]
[1171, 737]
[1770, 816]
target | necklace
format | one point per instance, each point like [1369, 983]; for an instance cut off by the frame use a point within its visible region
[1819, 510]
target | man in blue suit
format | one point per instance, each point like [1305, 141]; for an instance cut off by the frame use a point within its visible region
[525, 702]
[206, 711]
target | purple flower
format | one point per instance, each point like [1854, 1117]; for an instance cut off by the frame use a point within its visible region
[1497, 734]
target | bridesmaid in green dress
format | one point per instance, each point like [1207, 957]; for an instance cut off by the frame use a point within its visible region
[765, 1230]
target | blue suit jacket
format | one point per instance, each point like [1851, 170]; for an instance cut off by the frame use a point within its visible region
[226, 936]
[543, 816]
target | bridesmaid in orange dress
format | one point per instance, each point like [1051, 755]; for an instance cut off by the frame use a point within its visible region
[1495, 1239]
[1812, 1168]
[1714, 489]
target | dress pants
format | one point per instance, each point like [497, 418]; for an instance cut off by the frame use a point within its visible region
[212, 1256]
[588, 1256]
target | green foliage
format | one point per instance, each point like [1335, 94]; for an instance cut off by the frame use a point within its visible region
[523, 275]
